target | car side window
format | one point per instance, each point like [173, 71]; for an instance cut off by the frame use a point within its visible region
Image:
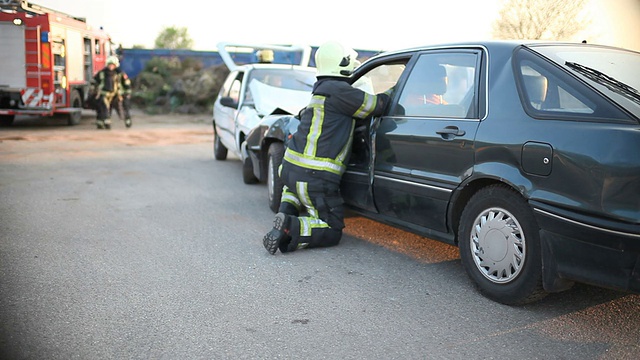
[549, 92]
[439, 85]
[545, 92]
[232, 86]
[380, 78]
[234, 91]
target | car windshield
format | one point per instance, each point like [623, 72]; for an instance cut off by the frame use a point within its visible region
[615, 72]
[291, 79]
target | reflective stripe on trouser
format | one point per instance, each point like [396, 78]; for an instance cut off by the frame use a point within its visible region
[103, 106]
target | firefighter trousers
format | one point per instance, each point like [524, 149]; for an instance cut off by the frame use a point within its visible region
[103, 106]
[315, 206]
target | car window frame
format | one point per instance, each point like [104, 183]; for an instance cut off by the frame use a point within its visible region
[470, 109]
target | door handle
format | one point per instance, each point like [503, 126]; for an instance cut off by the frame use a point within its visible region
[450, 131]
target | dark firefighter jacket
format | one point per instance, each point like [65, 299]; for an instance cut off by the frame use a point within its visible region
[107, 81]
[325, 134]
[125, 83]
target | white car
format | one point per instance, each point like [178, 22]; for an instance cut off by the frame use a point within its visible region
[251, 92]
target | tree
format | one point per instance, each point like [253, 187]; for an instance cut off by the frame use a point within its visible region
[174, 38]
[541, 19]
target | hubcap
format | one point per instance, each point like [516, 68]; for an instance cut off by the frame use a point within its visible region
[498, 245]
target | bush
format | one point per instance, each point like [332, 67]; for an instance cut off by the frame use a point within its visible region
[168, 84]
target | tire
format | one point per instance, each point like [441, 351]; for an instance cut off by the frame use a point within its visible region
[73, 118]
[499, 221]
[6, 120]
[219, 150]
[274, 182]
[247, 172]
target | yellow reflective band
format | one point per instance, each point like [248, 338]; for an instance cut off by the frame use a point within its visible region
[345, 150]
[303, 193]
[290, 198]
[368, 105]
[317, 100]
[315, 130]
[308, 162]
[307, 224]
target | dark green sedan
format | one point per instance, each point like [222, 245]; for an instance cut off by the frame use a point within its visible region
[524, 155]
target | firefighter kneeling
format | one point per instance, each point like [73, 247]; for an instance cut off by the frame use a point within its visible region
[311, 211]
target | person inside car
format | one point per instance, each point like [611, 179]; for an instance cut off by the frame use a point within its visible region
[429, 90]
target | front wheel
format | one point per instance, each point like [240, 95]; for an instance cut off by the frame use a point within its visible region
[274, 182]
[219, 150]
[500, 248]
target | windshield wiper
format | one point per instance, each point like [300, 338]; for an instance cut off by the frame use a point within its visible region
[611, 83]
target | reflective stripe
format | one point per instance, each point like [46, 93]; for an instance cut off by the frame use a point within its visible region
[345, 150]
[314, 163]
[315, 130]
[288, 196]
[303, 194]
[317, 100]
[307, 225]
[368, 105]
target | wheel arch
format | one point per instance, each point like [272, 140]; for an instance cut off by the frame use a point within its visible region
[470, 187]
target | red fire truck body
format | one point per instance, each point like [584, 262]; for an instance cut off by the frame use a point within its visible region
[47, 61]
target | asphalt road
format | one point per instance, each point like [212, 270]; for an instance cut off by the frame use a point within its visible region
[137, 244]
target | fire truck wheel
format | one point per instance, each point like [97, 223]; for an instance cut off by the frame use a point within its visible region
[6, 120]
[76, 102]
[73, 118]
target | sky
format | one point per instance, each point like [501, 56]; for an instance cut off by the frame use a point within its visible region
[358, 24]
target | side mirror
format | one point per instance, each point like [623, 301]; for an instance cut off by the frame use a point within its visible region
[229, 102]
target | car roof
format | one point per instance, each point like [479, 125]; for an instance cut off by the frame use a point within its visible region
[488, 44]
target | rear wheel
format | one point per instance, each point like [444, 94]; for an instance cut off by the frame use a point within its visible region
[274, 183]
[73, 118]
[219, 150]
[500, 246]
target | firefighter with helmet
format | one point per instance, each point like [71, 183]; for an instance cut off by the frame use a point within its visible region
[107, 82]
[311, 212]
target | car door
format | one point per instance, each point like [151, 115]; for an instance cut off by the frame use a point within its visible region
[226, 108]
[357, 182]
[424, 146]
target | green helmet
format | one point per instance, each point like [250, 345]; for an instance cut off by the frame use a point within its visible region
[333, 59]
[113, 60]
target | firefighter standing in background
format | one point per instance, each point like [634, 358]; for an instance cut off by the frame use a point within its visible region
[122, 102]
[107, 82]
[311, 212]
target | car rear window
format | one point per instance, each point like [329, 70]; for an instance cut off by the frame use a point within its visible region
[548, 91]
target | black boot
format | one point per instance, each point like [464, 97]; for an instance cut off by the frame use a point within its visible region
[279, 233]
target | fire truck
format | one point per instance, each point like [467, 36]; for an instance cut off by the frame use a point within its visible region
[47, 61]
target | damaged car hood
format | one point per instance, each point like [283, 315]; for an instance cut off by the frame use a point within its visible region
[268, 98]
